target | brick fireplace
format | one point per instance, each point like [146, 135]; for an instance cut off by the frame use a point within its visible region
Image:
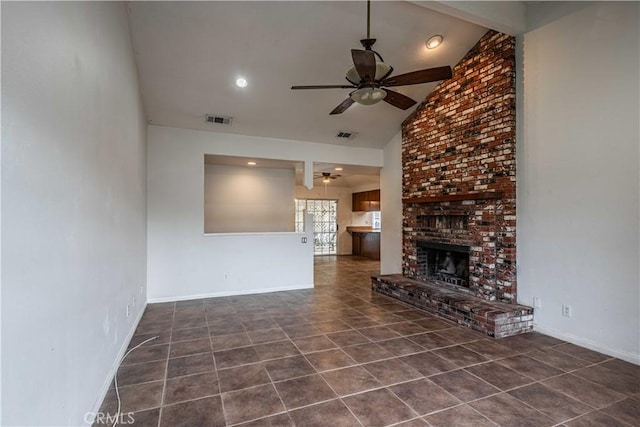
[476, 228]
[459, 196]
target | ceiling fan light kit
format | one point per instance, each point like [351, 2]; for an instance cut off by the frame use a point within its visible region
[368, 95]
[369, 76]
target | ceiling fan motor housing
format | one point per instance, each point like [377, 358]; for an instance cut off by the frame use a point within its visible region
[382, 70]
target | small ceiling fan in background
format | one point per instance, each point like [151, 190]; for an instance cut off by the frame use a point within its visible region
[368, 77]
[326, 177]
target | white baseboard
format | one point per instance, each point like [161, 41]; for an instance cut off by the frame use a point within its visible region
[229, 293]
[591, 345]
[116, 364]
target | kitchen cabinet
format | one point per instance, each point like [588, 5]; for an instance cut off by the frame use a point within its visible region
[366, 201]
[374, 200]
[357, 202]
[356, 243]
[366, 244]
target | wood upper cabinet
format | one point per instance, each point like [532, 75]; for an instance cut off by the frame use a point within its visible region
[357, 202]
[366, 201]
[374, 200]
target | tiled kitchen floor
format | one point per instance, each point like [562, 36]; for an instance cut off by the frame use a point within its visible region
[339, 355]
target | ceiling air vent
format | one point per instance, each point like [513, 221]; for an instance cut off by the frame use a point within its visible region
[346, 135]
[221, 120]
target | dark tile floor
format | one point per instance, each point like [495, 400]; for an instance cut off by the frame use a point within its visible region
[340, 355]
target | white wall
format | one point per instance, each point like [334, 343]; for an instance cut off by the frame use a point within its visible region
[361, 218]
[508, 17]
[73, 200]
[246, 199]
[182, 261]
[391, 208]
[578, 190]
[343, 196]
[366, 187]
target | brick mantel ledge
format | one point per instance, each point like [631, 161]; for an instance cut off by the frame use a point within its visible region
[453, 198]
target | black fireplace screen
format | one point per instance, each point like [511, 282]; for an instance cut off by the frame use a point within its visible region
[443, 262]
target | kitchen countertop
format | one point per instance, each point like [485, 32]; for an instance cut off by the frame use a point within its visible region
[362, 229]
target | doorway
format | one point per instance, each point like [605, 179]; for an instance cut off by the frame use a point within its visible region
[325, 224]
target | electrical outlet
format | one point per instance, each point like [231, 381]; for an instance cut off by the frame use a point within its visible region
[566, 310]
[133, 302]
[537, 302]
[128, 310]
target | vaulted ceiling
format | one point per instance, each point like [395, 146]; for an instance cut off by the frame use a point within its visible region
[189, 55]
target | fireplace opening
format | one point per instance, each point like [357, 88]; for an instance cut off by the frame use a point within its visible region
[443, 262]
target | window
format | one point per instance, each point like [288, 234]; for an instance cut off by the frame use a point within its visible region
[375, 219]
[325, 227]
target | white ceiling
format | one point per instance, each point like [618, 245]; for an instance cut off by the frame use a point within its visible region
[350, 176]
[189, 55]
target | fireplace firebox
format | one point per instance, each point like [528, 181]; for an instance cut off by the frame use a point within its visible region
[443, 262]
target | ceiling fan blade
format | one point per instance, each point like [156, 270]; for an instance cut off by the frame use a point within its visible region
[343, 106]
[417, 77]
[323, 87]
[365, 63]
[398, 100]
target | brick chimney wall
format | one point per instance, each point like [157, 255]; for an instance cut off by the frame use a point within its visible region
[461, 140]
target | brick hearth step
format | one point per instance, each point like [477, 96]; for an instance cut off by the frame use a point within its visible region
[496, 319]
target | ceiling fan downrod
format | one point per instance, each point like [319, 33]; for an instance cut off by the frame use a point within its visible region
[368, 17]
[368, 42]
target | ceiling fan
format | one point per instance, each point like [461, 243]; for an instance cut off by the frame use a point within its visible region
[368, 76]
[326, 177]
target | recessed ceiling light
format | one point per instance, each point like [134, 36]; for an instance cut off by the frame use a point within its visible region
[338, 169]
[251, 163]
[434, 42]
[241, 82]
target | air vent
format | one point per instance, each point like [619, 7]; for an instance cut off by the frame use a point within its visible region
[346, 135]
[221, 120]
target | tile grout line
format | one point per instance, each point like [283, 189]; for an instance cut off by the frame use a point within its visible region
[215, 367]
[465, 404]
[535, 409]
[540, 382]
[166, 368]
[337, 394]
[286, 411]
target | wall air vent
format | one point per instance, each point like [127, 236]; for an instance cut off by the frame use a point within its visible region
[346, 135]
[221, 120]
